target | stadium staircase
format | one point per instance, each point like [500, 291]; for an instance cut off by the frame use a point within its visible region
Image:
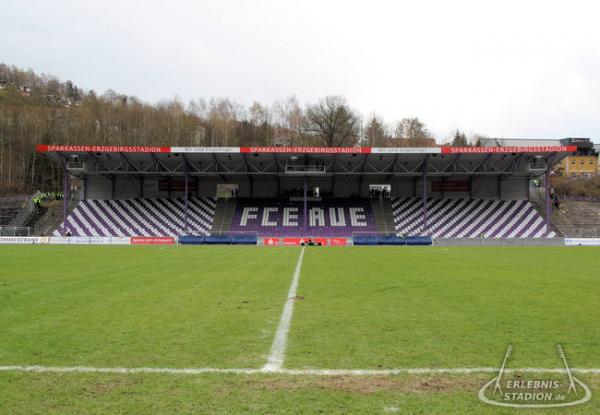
[577, 219]
[28, 215]
[383, 215]
[224, 211]
[51, 216]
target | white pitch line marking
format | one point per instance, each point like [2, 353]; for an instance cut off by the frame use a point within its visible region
[275, 360]
[293, 372]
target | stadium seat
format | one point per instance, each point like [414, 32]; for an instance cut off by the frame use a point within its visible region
[469, 218]
[140, 217]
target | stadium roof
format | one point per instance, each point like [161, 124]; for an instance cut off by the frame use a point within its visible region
[529, 147]
[521, 142]
[315, 161]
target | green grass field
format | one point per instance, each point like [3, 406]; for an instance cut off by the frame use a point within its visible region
[219, 307]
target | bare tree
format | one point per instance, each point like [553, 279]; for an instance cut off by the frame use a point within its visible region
[334, 122]
[375, 132]
[289, 120]
[258, 114]
[412, 128]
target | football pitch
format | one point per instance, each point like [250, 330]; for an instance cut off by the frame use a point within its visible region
[188, 329]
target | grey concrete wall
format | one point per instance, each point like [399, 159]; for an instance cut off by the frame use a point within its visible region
[482, 188]
[128, 188]
[98, 188]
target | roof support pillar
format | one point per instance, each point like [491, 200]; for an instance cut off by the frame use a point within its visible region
[305, 205]
[548, 206]
[66, 194]
[112, 186]
[414, 187]
[550, 160]
[84, 180]
[471, 188]
[425, 224]
[186, 169]
[499, 184]
[424, 204]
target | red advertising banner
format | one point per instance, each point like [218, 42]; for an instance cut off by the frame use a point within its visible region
[520, 149]
[300, 241]
[271, 241]
[315, 150]
[44, 148]
[152, 240]
[338, 241]
[451, 186]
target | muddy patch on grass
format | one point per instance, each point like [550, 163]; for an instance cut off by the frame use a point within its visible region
[373, 384]
[97, 388]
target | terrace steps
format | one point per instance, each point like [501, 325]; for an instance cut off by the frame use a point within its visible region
[52, 216]
[577, 219]
[224, 211]
[383, 215]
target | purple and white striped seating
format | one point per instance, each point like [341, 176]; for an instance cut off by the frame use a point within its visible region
[470, 218]
[140, 217]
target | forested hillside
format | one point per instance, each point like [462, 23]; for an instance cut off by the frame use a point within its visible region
[42, 109]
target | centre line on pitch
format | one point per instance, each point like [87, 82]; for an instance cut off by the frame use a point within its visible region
[277, 355]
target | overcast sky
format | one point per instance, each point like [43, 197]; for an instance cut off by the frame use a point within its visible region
[500, 68]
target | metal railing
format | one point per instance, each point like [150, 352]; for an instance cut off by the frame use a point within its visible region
[16, 231]
[27, 214]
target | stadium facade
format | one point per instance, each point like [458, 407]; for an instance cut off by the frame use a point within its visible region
[305, 191]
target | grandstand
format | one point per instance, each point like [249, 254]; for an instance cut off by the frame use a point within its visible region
[440, 192]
